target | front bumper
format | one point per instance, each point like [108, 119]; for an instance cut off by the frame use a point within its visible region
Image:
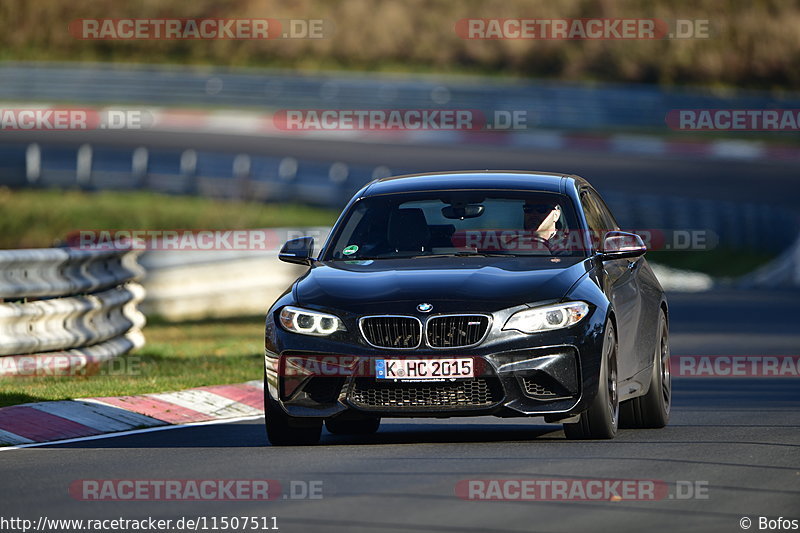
[552, 374]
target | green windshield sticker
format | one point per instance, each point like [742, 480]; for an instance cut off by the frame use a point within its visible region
[350, 250]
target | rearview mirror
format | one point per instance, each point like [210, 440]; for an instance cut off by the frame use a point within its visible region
[298, 251]
[461, 212]
[620, 244]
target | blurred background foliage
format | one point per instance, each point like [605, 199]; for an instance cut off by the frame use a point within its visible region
[753, 43]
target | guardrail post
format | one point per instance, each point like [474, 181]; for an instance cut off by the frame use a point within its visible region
[287, 174]
[381, 171]
[83, 166]
[189, 170]
[338, 174]
[287, 169]
[33, 163]
[139, 166]
[241, 173]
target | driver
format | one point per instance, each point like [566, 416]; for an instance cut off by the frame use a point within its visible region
[539, 223]
[541, 219]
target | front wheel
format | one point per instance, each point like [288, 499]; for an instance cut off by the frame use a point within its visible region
[283, 430]
[601, 419]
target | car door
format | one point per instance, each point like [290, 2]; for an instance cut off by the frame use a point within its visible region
[649, 303]
[620, 286]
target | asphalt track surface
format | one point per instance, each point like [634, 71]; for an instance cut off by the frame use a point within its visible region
[736, 438]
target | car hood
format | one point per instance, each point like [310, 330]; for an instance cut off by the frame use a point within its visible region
[475, 283]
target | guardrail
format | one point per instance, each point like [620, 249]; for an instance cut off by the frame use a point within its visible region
[737, 226]
[189, 285]
[782, 272]
[217, 174]
[557, 105]
[63, 310]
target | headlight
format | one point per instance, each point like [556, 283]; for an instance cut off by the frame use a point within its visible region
[548, 317]
[308, 322]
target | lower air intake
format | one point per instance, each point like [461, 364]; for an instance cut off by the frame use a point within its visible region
[476, 393]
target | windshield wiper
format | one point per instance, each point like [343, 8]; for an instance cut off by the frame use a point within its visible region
[452, 254]
[466, 254]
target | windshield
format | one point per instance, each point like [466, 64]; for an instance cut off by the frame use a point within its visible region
[460, 223]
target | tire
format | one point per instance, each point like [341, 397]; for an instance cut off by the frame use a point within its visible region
[652, 409]
[353, 426]
[283, 430]
[601, 419]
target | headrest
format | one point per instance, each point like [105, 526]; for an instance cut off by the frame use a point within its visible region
[408, 230]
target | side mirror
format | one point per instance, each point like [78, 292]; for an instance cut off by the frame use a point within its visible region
[620, 244]
[298, 251]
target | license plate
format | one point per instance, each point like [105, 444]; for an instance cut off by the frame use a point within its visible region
[411, 369]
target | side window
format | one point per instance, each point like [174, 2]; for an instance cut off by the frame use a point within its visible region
[609, 222]
[592, 211]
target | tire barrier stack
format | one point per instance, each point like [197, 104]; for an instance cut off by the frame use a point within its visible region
[65, 311]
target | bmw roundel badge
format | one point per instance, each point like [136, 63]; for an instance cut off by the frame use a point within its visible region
[424, 308]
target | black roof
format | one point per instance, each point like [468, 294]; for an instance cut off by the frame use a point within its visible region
[476, 179]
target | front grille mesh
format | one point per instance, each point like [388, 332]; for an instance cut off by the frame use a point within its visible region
[479, 392]
[392, 331]
[457, 330]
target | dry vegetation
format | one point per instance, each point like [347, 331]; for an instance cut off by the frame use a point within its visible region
[754, 43]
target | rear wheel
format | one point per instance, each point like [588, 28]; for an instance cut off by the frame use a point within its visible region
[284, 430]
[652, 409]
[601, 419]
[353, 426]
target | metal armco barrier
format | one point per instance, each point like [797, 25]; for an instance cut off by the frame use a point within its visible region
[246, 285]
[68, 305]
[783, 272]
[549, 104]
[749, 226]
[692, 223]
[190, 285]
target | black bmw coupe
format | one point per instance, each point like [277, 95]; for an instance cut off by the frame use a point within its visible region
[463, 294]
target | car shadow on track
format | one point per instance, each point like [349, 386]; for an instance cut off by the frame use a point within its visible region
[252, 434]
[433, 433]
